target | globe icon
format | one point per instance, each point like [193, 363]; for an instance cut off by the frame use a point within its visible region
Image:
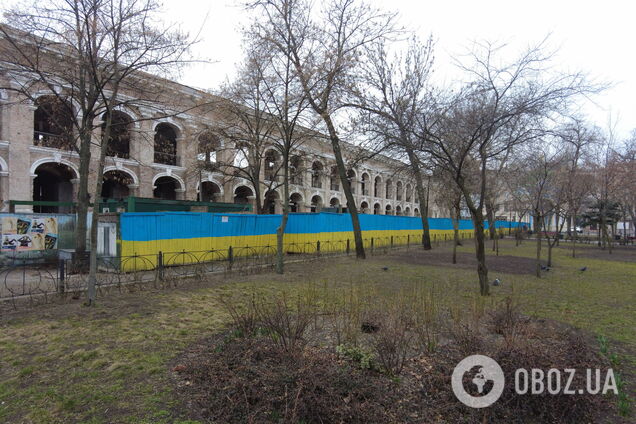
[480, 379]
[488, 371]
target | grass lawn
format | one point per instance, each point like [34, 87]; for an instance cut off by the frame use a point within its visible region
[67, 363]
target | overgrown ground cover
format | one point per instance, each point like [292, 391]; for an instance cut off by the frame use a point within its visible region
[112, 363]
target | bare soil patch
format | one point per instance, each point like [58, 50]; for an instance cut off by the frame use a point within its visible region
[443, 257]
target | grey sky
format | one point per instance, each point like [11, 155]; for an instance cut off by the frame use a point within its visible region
[591, 36]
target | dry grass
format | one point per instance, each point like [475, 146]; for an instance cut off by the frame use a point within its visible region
[66, 363]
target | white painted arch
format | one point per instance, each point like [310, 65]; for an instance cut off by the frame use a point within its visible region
[170, 175]
[210, 179]
[58, 160]
[125, 170]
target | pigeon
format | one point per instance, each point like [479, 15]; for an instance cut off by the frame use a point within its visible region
[385, 268]
[583, 269]
[496, 282]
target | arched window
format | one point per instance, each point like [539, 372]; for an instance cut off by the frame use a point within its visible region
[271, 165]
[296, 170]
[316, 175]
[166, 188]
[364, 184]
[53, 123]
[409, 192]
[376, 186]
[166, 144]
[240, 159]
[364, 207]
[209, 192]
[351, 176]
[377, 209]
[334, 179]
[295, 200]
[271, 197]
[53, 183]
[242, 195]
[209, 145]
[389, 189]
[119, 140]
[398, 190]
[115, 185]
[316, 203]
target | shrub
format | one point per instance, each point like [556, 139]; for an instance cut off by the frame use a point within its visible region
[286, 321]
[360, 356]
[392, 343]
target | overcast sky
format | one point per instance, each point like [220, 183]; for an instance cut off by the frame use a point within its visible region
[592, 36]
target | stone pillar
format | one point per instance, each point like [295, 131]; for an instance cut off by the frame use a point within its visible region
[75, 182]
[180, 193]
[133, 190]
[252, 201]
[300, 206]
[278, 206]
[4, 189]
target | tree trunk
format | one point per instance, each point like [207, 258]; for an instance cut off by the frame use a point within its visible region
[423, 197]
[346, 187]
[83, 199]
[92, 276]
[575, 233]
[280, 231]
[490, 214]
[455, 220]
[480, 251]
[538, 233]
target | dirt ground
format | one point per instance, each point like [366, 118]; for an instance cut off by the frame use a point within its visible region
[465, 260]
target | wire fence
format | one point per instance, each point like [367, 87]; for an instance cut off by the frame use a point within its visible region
[40, 280]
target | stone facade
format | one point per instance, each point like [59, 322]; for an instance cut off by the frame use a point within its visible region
[33, 168]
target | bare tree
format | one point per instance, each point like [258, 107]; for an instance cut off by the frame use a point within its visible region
[501, 107]
[392, 97]
[284, 101]
[577, 138]
[449, 198]
[627, 183]
[326, 46]
[88, 53]
[605, 207]
[249, 131]
[534, 179]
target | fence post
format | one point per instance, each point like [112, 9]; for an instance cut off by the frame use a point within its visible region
[160, 265]
[230, 257]
[372, 245]
[61, 276]
[391, 242]
[348, 247]
[408, 240]
[318, 248]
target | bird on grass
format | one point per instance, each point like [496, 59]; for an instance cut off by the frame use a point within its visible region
[583, 269]
[496, 282]
[385, 268]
